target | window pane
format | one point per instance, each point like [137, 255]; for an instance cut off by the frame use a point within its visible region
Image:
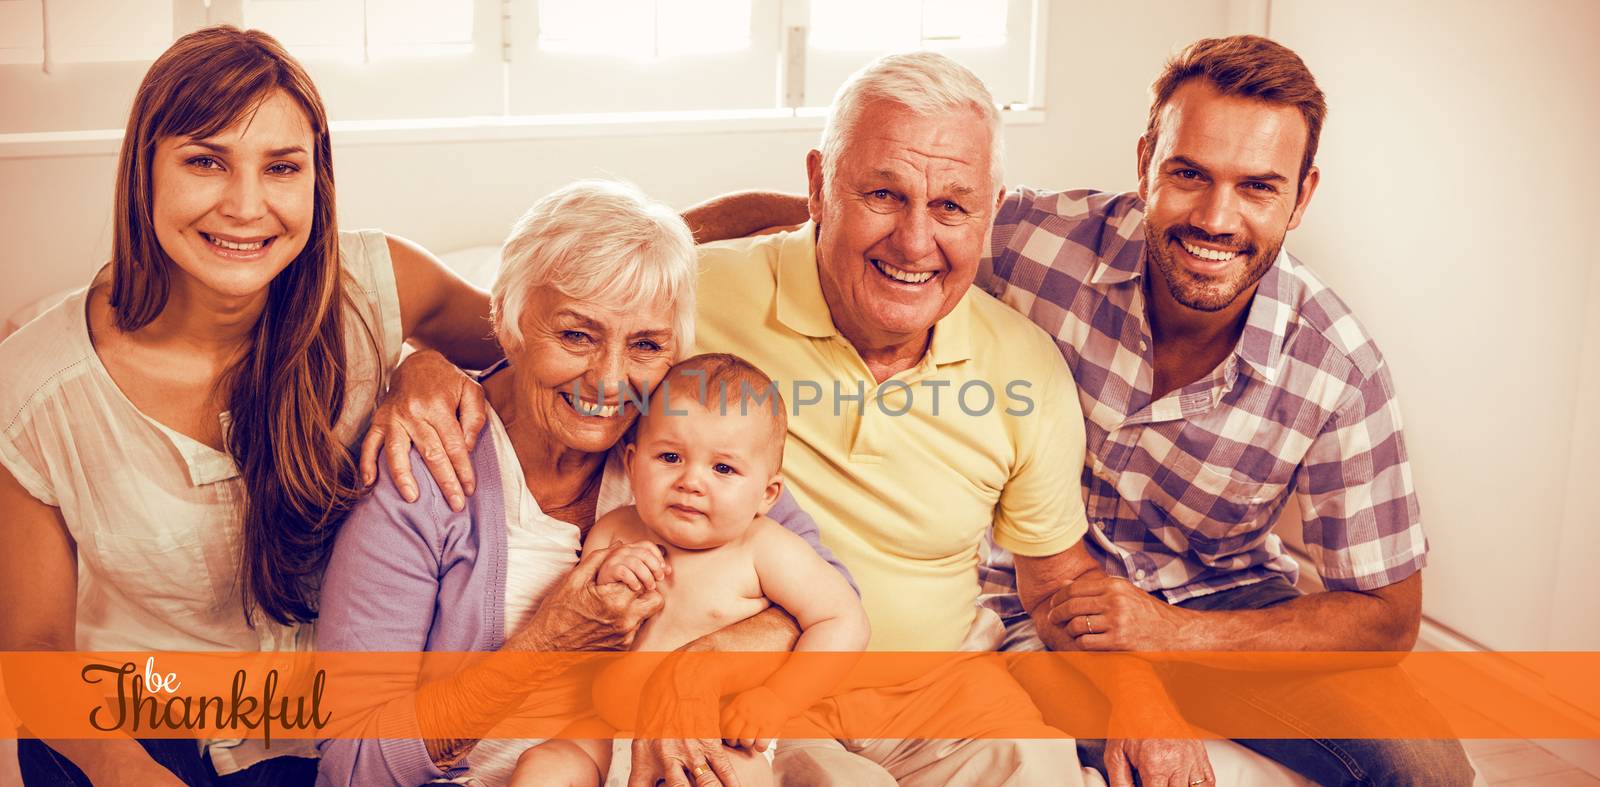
[618, 56]
[101, 32]
[993, 38]
[644, 29]
[311, 29]
[971, 22]
[879, 26]
[335, 29]
[609, 27]
[700, 27]
[899, 25]
[419, 27]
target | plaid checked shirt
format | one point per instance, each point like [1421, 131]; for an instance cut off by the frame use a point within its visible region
[1182, 492]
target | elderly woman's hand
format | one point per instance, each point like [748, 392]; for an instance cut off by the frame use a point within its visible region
[583, 614]
[439, 409]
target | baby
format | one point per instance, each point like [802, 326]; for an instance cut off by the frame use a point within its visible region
[704, 467]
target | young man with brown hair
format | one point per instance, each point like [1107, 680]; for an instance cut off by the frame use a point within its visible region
[1219, 377]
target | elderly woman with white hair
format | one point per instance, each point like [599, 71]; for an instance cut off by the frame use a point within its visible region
[595, 292]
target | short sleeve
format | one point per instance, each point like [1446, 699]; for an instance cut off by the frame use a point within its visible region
[22, 456]
[1041, 507]
[995, 269]
[1013, 210]
[36, 360]
[364, 254]
[1362, 524]
[373, 335]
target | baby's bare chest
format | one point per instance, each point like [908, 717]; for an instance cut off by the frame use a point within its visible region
[706, 592]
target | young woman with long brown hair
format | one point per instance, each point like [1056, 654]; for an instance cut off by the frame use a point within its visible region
[176, 444]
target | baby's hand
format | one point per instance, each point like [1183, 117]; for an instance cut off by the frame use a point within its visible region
[639, 565]
[754, 718]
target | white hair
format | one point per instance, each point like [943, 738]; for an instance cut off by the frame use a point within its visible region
[598, 241]
[927, 84]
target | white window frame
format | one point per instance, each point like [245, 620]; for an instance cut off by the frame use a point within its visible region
[452, 84]
[473, 88]
[540, 80]
[1013, 71]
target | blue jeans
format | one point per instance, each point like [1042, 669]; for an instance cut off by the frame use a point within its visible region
[1324, 761]
[1337, 761]
[42, 766]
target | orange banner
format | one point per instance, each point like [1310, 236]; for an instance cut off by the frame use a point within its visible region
[883, 695]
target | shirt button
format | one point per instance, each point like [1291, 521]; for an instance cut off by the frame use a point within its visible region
[1139, 574]
[1143, 345]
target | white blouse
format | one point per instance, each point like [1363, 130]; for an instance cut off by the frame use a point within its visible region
[540, 551]
[156, 515]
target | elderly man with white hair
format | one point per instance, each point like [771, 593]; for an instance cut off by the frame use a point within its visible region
[925, 415]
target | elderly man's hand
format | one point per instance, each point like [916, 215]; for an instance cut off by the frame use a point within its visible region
[671, 701]
[439, 409]
[1157, 761]
[679, 697]
[698, 762]
[582, 614]
[1114, 614]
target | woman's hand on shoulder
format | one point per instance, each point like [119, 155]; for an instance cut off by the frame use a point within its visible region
[436, 407]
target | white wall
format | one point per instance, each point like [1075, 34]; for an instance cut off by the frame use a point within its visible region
[55, 210]
[1456, 216]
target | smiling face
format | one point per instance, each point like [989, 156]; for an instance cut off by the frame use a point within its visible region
[902, 221]
[1220, 193]
[234, 209]
[701, 476]
[571, 346]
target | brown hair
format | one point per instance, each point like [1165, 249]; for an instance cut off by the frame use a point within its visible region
[286, 392]
[1248, 67]
[726, 383]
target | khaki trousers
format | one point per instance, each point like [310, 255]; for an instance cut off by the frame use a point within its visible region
[987, 699]
[928, 763]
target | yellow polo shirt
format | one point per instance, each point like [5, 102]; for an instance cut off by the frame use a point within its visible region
[906, 478]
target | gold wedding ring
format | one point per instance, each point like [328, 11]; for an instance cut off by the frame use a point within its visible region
[699, 770]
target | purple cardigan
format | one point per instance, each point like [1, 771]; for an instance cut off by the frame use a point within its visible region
[413, 577]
